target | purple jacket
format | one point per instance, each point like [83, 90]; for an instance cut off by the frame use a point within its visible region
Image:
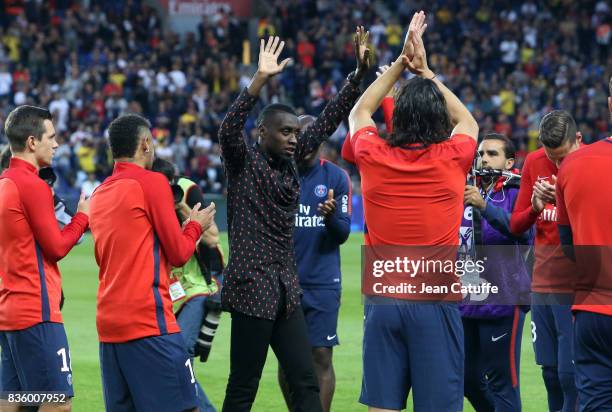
[505, 266]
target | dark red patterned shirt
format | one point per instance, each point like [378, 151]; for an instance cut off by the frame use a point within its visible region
[261, 205]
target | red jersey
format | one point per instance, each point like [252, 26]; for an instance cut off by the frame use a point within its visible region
[400, 183]
[553, 272]
[31, 243]
[137, 238]
[584, 196]
[412, 196]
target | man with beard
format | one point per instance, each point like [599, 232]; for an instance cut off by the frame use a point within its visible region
[493, 331]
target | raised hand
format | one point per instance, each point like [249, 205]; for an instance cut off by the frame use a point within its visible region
[268, 57]
[418, 63]
[417, 26]
[362, 53]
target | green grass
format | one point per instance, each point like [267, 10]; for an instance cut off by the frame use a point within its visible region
[80, 275]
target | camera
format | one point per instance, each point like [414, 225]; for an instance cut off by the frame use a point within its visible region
[209, 327]
[48, 175]
[210, 323]
[177, 193]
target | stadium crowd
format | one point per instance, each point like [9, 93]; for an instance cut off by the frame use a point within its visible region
[510, 63]
[105, 69]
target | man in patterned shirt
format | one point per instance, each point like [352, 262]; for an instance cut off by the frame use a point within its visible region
[261, 284]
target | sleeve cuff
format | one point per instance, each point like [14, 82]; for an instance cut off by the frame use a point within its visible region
[244, 95]
[532, 213]
[334, 224]
[196, 227]
[81, 219]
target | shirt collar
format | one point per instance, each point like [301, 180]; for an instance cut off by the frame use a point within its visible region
[16, 163]
[274, 161]
[307, 170]
[123, 166]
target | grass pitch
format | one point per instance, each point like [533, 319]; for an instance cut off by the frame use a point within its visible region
[80, 279]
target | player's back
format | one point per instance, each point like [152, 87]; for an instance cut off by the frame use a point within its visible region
[586, 196]
[413, 195]
[133, 300]
[587, 193]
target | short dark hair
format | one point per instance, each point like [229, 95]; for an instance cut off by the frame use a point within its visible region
[509, 148]
[5, 158]
[556, 128]
[124, 134]
[164, 167]
[271, 110]
[23, 122]
[420, 114]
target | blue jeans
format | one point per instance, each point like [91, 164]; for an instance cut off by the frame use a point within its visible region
[189, 320]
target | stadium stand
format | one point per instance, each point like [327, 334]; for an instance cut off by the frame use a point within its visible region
[88, 62]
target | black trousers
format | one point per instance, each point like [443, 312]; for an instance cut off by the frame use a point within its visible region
[249, 347]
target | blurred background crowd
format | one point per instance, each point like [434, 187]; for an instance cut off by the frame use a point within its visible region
[90, 61]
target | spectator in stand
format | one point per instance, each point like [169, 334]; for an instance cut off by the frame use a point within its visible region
[305, 50]
[88, 187]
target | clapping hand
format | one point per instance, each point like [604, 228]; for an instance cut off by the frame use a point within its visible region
[328, 208]
[414, 56]
[546, 191]
[417, 27]
[83, 205]
[205, 217]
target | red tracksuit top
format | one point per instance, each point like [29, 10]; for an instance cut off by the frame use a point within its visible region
[137, 238]
[552, 271]
[31, 243]
[583, 201]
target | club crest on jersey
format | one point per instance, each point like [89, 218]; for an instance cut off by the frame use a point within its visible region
[320, 190]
